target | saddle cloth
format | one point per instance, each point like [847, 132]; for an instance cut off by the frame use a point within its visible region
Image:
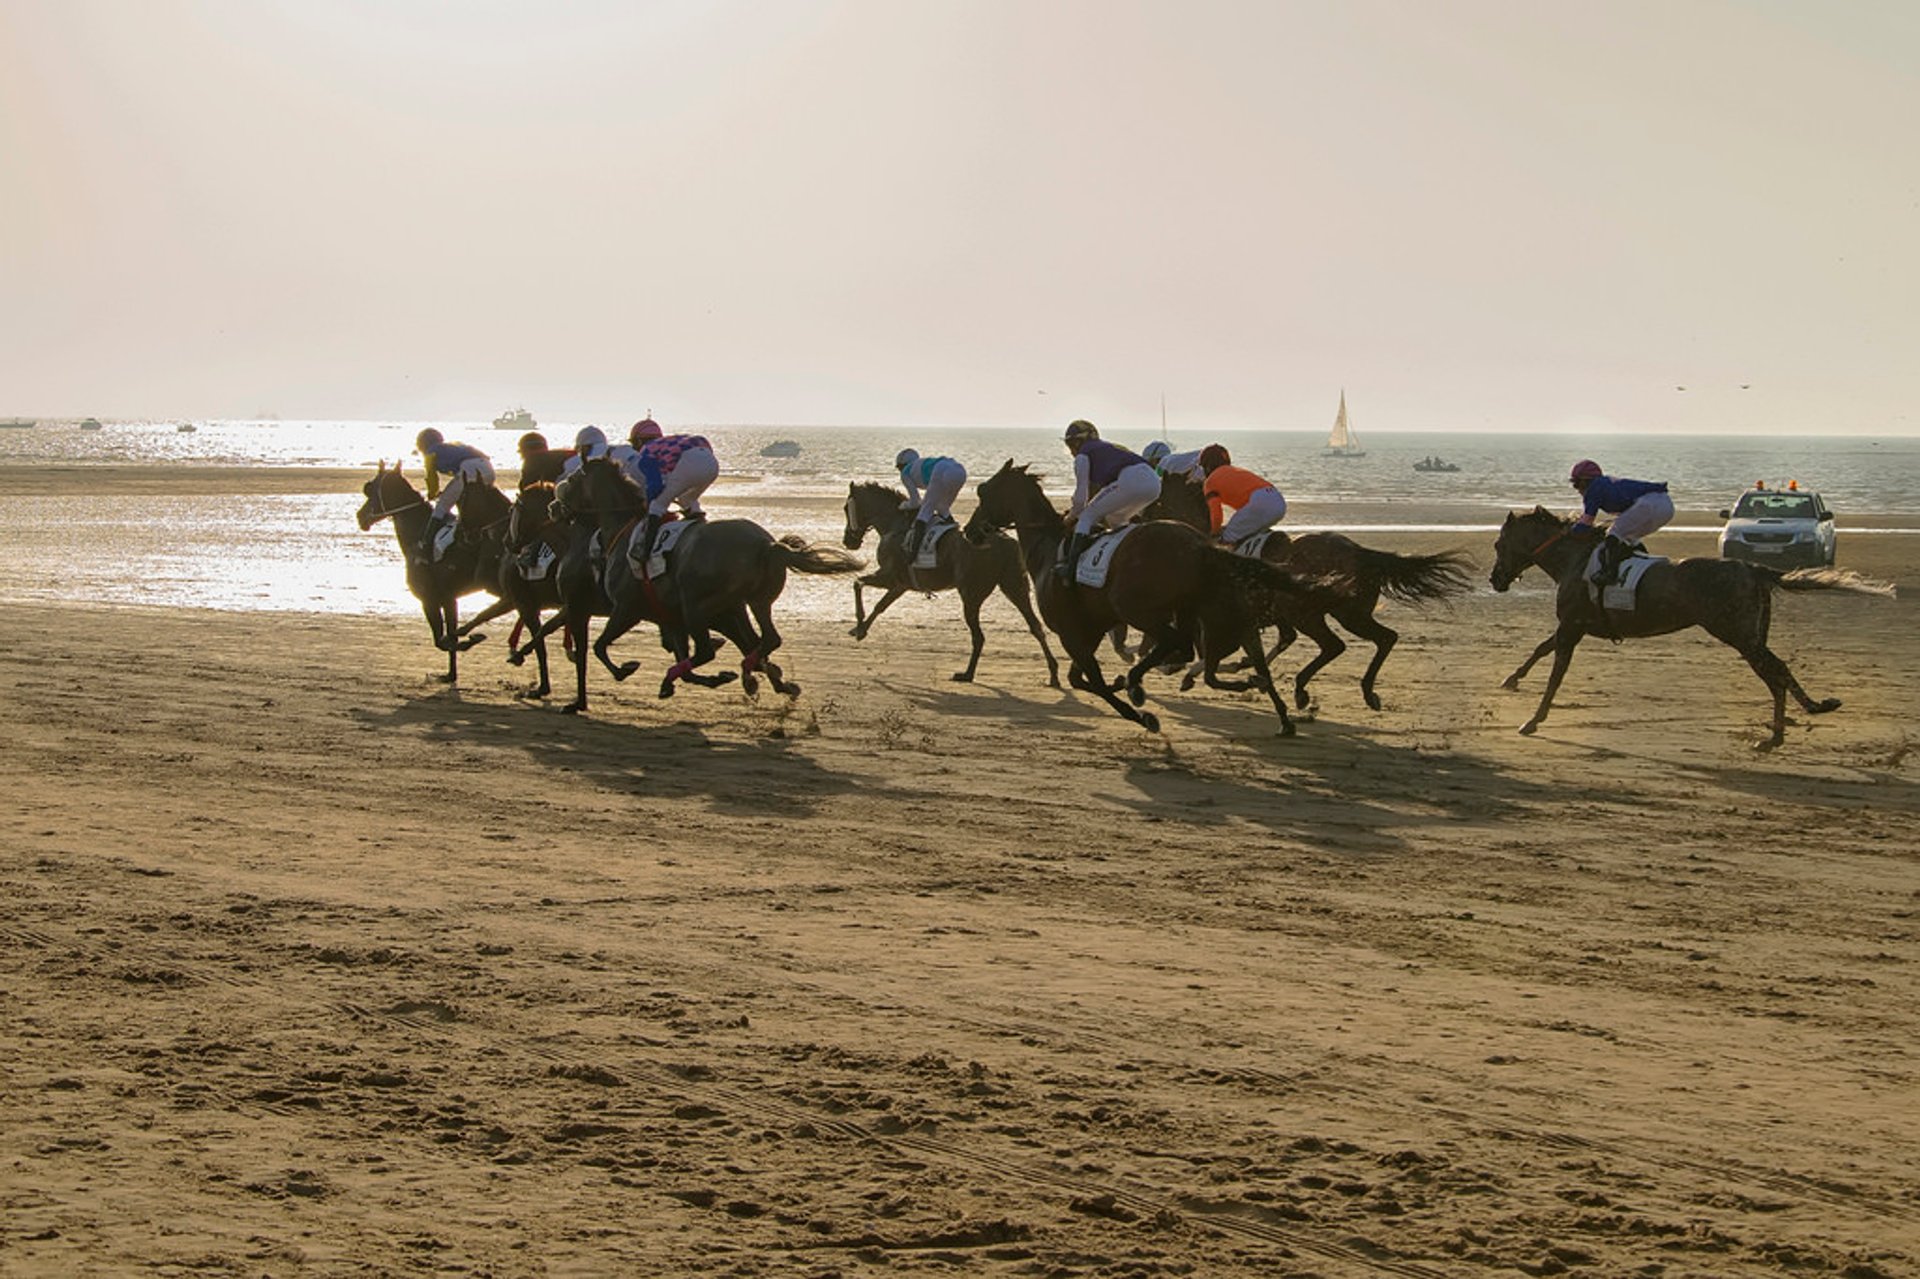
[1098, 557]
[669, 534]
[1621, 593]
[443, 539]
[536, 561]
[1252, 546]
[929, 553]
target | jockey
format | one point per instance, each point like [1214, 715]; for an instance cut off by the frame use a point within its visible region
[941, 478]
[1639, 507]
[539, 463]
[673, 468]
[1256, 503]
[1110, 484]
[1164, 460]
[462, 464]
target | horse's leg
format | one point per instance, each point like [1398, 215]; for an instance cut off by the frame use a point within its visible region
[1257, 657]
[1118, 638]
[499, 608]
[1155, 650]
[761, 656]
[1014, 585]
[886, 601]
[1545, 646]
[1566, 639]
[545, 629]
[1085, 673]
[625, 616]
[970, 611]
[530, 619]
[1331, 646]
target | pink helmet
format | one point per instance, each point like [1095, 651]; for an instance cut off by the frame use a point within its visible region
[645, 429]
[1585, 469]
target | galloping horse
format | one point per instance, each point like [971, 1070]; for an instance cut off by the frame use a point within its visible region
[1165, 581]
[722, 575]
[1366, 574]
[470, 565]
[1731, 600]
[975, 569]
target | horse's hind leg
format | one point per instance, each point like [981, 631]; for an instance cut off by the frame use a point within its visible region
[970, 613]
[1331, 646]
[759, 657]
[1257, 657]
[863, 624]
[1566, 639]
[1368, 627]
[1780, 681]
[1545, 646]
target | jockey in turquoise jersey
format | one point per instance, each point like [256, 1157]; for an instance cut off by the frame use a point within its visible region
[462, 464]
[941, 478]
[1639, 507]
[1110, 484]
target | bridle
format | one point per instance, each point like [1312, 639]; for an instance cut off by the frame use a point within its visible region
[386, 511]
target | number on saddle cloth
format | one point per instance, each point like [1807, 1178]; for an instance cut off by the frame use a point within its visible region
[1623, 588]
[443, 539]
[670, 533]
[1098, 556]
[928, 556]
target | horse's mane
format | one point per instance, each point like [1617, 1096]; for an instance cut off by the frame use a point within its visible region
[885, 490]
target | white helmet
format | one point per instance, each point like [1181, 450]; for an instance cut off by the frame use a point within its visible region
[590, 443]
[1155, 450]
[904, 459]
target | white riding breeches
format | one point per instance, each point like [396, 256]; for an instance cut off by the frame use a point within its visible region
[476, 470]
[1263, 510]
[689, 478]
[1651, 513]
[1131, 492]
[942, 487]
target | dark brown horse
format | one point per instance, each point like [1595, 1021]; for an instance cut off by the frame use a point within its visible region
[470, 565]
[1165, 581]
[1367, 575]
[974, 569]
[1730, 600]
[722, 576]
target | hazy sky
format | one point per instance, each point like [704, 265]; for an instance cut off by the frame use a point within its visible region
[1468, 213]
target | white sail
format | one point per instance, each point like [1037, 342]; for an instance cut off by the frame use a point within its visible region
[1341, 442]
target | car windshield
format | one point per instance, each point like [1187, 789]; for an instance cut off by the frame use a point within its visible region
[1775, 506]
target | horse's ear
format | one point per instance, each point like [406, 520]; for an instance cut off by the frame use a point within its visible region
[1541, 510]
[383, 467]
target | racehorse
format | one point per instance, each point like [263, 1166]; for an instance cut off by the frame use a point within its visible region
[468, 566]
[1367, 575]
[1729, 599]
[531, 522]
[975, 569]
[721, 575]
[1165, 580]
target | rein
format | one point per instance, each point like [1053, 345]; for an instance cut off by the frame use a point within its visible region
[386, 511]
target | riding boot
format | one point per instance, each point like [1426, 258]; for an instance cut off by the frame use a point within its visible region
[427, 539]
[646, 538]
[911, 539]
[1612, 552]
[1070, 557]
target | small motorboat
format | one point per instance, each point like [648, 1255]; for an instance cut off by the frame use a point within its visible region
[1432, 463]
[781, 448]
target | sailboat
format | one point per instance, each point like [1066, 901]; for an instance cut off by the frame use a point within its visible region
[1341, 443]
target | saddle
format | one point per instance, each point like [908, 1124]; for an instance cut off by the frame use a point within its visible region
[1623, 588]
[928, 556]
[1251, 547]
[443, 540]
[671, 532]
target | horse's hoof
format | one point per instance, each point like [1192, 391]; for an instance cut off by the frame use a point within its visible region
[1300, 699]
[1150, 721]
[1186, 685]
[666, 689]
[1822, 707]
[1373, 702]
[573, 708]
[788, 690]
[443, 679]
[1136, 695]
[1769, 744]
[516, 659]
[625, 669]
[1511, 683]
[1529, 728]
[1287, 729]
[749, 685]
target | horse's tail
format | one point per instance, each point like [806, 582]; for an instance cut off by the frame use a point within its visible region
[1415, 579]
[1267, 591]
[1824, 579]
[796, 553]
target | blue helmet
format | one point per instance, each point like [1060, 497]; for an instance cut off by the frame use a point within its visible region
[428, 439]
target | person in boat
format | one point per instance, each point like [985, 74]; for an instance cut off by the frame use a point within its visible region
[1257, 504]
[540, 463]
[672, 468]
[1638, 507]
[462, 464]
[1162, 458]
[932, 484]
[1111, 485]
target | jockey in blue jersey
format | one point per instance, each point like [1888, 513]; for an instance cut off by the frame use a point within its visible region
[1110, 484]
[1639, 507]
[941, 478]
[462, 464]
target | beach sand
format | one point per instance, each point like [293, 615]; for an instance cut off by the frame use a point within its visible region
[315, 966]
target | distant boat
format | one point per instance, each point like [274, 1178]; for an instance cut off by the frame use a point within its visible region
[1341, 442]
[186, 428]
[15, 423]
[91, 424]
[515, 420]
[781, 448]
[1433, 463]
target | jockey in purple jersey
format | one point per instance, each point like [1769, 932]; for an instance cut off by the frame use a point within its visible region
[462, 464]
[672, 468]
[1110, 484]
[1639, 507]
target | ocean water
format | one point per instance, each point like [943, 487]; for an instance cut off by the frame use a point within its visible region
[304, 552]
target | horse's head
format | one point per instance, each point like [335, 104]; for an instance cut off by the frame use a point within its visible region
[1009, 496]
[1180, 499]
[386, 493]
[1521, 540]
[532, 512]
[864, 511]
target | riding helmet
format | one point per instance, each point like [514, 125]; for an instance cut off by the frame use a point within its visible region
[905, 458]
[643, 430]
[1215, 455]
[532, 442]
[427, 439]
[590, 443]
[1585, 469]
[1079, 431]
[1156, 450]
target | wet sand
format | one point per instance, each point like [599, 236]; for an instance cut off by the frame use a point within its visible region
[314, 966]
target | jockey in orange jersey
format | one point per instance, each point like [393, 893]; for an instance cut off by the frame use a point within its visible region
[1256, 503]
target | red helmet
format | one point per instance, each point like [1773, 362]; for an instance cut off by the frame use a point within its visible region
[645, 429]
[1585, 469]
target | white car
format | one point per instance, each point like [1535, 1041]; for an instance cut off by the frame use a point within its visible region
[1789, 527]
